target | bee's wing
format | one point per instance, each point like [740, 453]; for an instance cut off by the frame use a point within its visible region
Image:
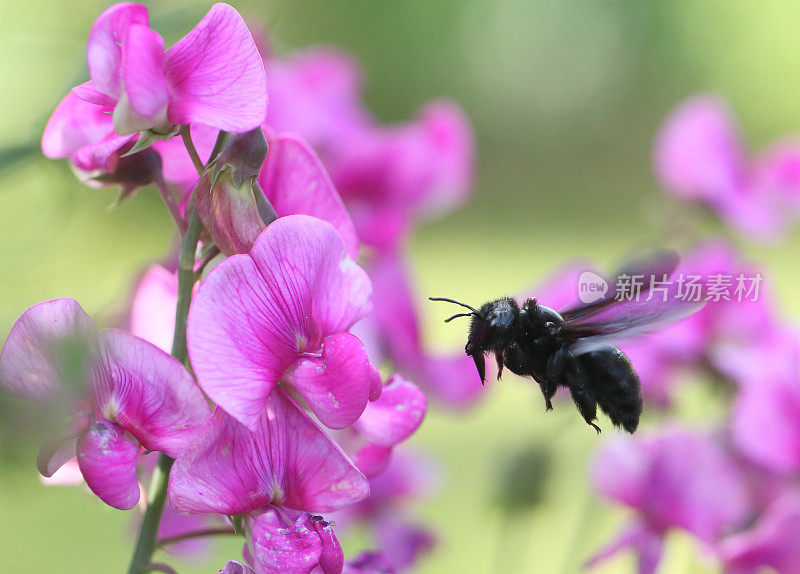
[625, 319]
[654, 265]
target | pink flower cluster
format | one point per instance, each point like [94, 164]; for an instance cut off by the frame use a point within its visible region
[700, 156]
[734, 488]
[273, 410]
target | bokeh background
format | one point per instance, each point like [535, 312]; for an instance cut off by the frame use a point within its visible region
[565, 98]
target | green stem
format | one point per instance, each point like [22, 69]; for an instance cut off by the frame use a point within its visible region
[157, 493]
[186, 135]
[197, 534]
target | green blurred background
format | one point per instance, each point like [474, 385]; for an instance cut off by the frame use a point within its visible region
[565, 97]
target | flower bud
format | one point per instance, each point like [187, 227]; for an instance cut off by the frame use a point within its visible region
[231, 206]
[130, 172]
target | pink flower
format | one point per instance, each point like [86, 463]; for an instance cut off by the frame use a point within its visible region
[292, 178]
[213, 75]
[388, 176]
[127, 395]
[699, 156]
[675, 480]
[274, 474]
[772, 542]
[283, 312]
[384, 424]
[450, 379]
[766, 420]
[407, 481]
[152, 315]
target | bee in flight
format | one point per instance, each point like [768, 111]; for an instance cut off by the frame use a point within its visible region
[573, 348]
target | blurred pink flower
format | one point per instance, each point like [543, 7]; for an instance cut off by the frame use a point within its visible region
[274, 474]
[388, 176]
[699, 156]
[677, 479]
[284, 310]
[772, 542]
[213, 75]
[449, 379]
[126, 393]
[766, 421]
[152, 314]
[400, 541]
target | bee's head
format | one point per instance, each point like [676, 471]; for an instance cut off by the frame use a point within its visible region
[490, 329]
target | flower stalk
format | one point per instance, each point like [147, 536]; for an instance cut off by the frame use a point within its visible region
[157, 493]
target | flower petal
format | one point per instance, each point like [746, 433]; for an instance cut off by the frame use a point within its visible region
[766, 423]
[74, 124]
[235, 567]
[143, 102]
[107, 458]
[698, 152]
[337, 384]
[256, 313]
[284, 542]
[153, 307]
[105, 46]
[648, 545]
[295, 181]
[317, 94]
[287, 460]
[216, 76]
[396, 415]
[47, 350]
[771, 543]
[147, 392]
[61, 448]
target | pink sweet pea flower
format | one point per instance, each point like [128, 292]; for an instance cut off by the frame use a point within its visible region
[152, 315]
[766, 420]
[282, 312]
[127, 394]
[450, 379]
[384, 424]
[295, 182]
[700, 156]
[292, 178]
[388, 176]
[678, 479]
[408, 480]
[274, 480]
[213, 75]
[771, 543]
[391, 177]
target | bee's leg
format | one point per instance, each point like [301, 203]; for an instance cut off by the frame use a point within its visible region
[499, 356]
[580, 389]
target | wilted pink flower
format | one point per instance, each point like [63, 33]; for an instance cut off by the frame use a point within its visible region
[282, 312]
[274, 474]
[771, 543]
[213, 75]
[388, 176]
[700, 156]
[678, 479]
[126, 393]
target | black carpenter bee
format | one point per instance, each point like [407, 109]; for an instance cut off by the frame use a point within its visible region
[571, 349]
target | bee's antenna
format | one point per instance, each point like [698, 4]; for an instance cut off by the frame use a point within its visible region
[458, 315]
[473, 309]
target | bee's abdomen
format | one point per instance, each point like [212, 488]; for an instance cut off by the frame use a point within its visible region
[615, 385]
